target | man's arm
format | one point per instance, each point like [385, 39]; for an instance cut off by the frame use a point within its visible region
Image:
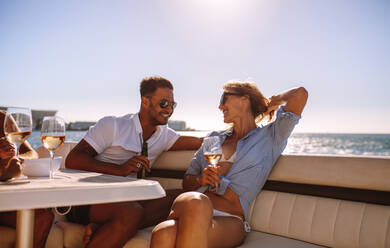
[82, 157]
[187, 143]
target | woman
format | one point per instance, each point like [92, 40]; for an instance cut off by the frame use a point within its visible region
[217, 217]
[10, 167]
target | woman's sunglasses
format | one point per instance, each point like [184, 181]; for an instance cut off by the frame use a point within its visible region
[224, 94]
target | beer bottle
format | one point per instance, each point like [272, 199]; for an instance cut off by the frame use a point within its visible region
[142, 172]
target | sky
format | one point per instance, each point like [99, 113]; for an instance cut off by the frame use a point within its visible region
[87, 58]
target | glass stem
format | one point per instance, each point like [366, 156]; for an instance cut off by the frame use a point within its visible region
[51, 164]
[16, 150]
[216, 184]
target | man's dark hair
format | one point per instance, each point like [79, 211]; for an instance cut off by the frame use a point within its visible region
[150, 84]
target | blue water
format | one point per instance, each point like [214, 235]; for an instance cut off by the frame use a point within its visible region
[299, 143]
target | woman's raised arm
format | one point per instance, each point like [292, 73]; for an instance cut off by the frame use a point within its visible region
[294, 100]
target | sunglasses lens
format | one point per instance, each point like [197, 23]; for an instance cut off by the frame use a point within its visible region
[164, 103]
[223, 99]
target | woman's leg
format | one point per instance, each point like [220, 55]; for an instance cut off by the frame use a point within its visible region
[192, 225]
[164, 234]
[226, 231]
[192, 215]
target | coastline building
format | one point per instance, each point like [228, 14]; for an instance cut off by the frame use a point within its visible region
[80, 125]
[37, 116]
[177, 125]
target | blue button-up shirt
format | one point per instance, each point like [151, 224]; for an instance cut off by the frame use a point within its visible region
[256, 154]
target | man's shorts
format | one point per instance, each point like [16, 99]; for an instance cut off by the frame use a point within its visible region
[79, 215]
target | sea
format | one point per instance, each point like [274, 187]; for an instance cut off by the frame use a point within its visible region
[298, 143]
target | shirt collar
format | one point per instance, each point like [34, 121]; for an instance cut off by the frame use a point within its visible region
[229, 132]
[137, 123]
[139, 131]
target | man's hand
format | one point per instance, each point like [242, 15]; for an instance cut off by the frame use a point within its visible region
[7, 149]
[210, 176]
[134, 165]
[10, 168]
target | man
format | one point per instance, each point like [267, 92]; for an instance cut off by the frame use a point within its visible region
[113, 146]
[10, 167]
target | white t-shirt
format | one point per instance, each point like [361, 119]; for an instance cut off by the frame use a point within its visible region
[117, 139]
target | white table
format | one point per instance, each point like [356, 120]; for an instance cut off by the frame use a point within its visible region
[69, 187]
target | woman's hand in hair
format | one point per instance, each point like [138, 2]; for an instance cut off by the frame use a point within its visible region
[273, 105]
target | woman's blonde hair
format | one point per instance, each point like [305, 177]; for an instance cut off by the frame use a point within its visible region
[259, 103]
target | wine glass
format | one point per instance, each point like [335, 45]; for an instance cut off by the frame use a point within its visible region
[52, 136]
[17, 126]
[212, 150]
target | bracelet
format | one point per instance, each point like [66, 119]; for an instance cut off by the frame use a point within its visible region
[59, 210]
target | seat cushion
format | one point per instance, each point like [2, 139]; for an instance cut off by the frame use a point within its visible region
[55, 238]
[73, 236]
[265, 240]
[141, 239]
[8, 237]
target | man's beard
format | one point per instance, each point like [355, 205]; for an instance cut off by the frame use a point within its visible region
[154, 120]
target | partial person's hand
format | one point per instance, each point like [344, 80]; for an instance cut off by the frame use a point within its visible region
[10, 168]
[7, 149]
[135, 164]
[210, 176]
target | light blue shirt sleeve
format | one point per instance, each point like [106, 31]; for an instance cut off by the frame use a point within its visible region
[196, 165]
[284, 125]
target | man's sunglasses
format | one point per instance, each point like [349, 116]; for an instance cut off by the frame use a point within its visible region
[164, 103]
[224, 94]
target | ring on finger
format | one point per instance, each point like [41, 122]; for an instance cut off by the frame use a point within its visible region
[138, 165]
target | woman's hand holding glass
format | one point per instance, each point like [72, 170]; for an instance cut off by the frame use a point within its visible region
[210, 176]
[212, 152]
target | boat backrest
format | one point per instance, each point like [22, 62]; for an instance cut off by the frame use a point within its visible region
[323, 221]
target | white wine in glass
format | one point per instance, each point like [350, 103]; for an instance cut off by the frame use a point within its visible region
[212, 150]
[52, 136]
[17, 126]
